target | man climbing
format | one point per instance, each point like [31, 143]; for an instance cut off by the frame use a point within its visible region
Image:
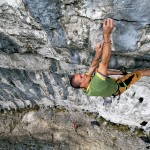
[100, 84]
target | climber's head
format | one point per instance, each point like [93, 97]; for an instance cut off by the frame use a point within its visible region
[79, 80]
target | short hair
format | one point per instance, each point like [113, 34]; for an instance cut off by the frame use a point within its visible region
[74, 83]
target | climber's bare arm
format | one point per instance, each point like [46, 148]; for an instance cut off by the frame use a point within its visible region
[95, 61]
[108, 26]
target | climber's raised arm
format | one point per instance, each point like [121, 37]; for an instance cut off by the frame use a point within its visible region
[108, 26]
[95, 61]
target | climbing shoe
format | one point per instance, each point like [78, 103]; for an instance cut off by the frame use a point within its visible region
[123, 70]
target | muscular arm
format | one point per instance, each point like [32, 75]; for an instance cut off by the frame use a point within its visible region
[107, 28]
[95, 61]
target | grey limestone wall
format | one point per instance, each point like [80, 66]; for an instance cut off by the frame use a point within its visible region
[43, 42]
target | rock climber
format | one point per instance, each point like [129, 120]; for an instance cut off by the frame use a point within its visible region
[100, 84]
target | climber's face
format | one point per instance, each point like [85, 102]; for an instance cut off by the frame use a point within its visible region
[82, 79]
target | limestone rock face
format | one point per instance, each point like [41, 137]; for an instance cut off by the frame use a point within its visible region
[54, 129]
[43, 42]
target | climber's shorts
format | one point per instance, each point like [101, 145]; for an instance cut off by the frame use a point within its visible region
[126, 81]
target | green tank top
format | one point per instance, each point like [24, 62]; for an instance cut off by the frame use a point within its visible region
[101, 87]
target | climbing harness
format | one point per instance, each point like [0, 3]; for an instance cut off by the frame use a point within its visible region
[120, 84]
